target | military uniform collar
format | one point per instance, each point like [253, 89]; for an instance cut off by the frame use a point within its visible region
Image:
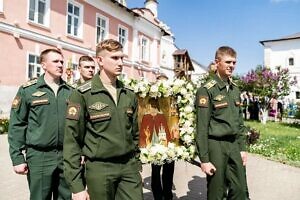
[42, 83]
[220, 82]
[97, 85]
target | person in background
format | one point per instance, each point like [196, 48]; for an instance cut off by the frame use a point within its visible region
[36, 129]
[220, 131]
[102, 125]
[162, 185]
[86, 69]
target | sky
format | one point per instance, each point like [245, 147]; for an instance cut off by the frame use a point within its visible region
[201, 26]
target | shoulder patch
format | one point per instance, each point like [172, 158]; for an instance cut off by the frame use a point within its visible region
[203, 101]
[73, 111]
[29, 83]
[85, 86]
[210, 84]
[16, 102]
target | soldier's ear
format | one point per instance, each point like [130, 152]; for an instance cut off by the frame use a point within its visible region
[43, 65]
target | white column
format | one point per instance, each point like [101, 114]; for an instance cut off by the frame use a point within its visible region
[153, 53]
[135, 45]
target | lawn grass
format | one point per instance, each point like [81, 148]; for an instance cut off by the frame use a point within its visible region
[278, 141]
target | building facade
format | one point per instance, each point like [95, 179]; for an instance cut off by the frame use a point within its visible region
[285, 52]
[75, 26]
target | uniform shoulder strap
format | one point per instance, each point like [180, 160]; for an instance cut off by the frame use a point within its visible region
[210, 84]
[85, 86]
[29, 83]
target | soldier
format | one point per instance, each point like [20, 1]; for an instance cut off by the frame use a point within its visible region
[102, 125]
[37, 128]
[220, 138]
[86, 69]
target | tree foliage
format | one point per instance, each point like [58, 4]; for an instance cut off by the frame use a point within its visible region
[264, 82]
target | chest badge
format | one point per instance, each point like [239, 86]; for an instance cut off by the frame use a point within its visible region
[219, 97]
[98, 106]
[38, 94]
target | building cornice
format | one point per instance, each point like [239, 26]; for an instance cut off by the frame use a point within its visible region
[18, 32]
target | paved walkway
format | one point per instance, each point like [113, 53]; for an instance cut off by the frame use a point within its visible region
[267, 180]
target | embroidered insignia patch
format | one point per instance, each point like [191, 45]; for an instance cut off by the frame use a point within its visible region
[39, 102]
[101, 116]
[73, 111]
[38, 94]
[203, 101]
[221, 105]
[16, 102]
[219, 97]
[98, 106]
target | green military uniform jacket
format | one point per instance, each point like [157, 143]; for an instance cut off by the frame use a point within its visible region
[219, 114]
[37, 118]
[98, 128]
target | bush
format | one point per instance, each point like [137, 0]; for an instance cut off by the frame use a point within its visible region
[4, 125]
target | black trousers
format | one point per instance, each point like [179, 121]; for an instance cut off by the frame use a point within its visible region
[162, 191]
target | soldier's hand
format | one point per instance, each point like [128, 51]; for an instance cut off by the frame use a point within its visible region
[83, 195]
[244, 156]
[21, 169]
[208, 168]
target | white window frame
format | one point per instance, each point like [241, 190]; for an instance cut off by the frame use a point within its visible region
[125, 37]
[145, 49]
[36, 65]
[36, 13]
[1, 6]
[106, 30]
[80, 19]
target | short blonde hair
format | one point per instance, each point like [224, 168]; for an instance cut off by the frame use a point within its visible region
[108, 45]
[225, 50]
[47, 51]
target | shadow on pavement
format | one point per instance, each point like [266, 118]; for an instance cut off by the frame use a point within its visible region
[196, 186]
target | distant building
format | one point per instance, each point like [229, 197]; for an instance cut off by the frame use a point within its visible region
[285, 52]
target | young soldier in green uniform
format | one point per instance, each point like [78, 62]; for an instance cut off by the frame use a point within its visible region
[220, 130]
[101, 125]
[37, 127]
[86, 69]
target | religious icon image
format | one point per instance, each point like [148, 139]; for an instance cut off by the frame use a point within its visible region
[155, 116]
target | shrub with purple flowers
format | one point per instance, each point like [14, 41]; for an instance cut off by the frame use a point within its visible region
[264, 82]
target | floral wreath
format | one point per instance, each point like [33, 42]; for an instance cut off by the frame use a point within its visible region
[184, 93]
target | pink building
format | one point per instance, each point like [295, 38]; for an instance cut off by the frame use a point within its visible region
[75, 26]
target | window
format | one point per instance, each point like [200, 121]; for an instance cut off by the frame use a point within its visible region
[1, 6]
[145, 49]
[297, 95]
[122, 35]
[102, 28]
[291, 61]
[74, 19]
[39, 11]
[34, 68]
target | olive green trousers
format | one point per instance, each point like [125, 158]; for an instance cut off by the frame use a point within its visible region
[114, 180]
[225, 156]
[45, 177]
